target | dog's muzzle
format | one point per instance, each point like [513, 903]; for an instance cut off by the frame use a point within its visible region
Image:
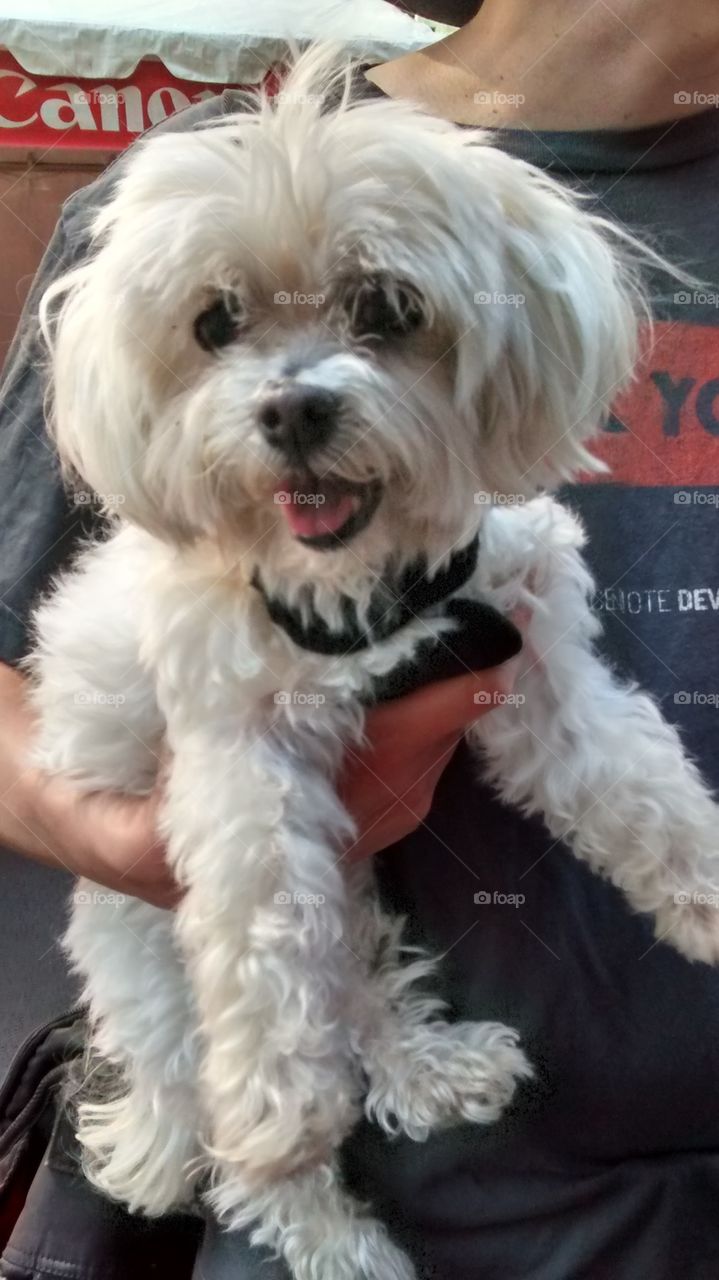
[322, 510]
[298, 419]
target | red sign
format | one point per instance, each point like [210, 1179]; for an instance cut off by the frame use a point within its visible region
[46, 111]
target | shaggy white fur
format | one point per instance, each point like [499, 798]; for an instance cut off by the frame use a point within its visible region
[248, 1030]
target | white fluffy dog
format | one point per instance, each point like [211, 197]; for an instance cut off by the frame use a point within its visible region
[290, 366]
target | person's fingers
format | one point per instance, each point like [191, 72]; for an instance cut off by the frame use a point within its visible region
[447, 706]
[119, 844]
[164, 895]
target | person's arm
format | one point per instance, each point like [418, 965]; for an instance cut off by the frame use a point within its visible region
[111, 838]
[105, 836]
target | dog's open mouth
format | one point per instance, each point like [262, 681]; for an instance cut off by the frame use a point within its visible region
[325, 512]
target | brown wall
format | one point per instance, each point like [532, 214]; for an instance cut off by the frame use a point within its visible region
[30, 198]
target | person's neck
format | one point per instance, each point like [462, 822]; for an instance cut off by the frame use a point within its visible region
[567, 64]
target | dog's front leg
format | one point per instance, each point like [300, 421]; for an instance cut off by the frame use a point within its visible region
[252, 830]
[99, 727]
[594, 756]
[249, 824]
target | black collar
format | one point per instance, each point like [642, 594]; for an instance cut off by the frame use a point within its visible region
[395, 602]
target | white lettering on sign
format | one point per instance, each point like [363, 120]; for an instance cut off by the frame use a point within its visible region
[159, 106]
[112, 100]
[26, 86]
[58, 113]
[67, 107]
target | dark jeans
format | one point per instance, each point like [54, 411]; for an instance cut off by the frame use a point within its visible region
[65, 1230]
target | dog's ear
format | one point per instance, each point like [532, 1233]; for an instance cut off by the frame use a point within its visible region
[93, 405]
[562, 325]
[99, 411]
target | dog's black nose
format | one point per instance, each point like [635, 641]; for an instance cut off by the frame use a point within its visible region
[298, 418]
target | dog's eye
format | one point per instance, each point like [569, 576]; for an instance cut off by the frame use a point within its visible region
[220, 323]
[383, 308]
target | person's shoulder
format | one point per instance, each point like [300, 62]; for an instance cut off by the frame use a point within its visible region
[198, 114]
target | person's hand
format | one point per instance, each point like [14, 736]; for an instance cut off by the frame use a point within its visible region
[388, 785]
[104, 836]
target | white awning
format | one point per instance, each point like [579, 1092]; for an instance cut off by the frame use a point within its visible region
[221, 41]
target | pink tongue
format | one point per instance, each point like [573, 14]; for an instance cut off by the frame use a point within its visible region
[309, 515]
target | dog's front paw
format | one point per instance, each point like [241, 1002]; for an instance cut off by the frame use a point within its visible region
[444, 1074]
[690, 923]
[364, 1253]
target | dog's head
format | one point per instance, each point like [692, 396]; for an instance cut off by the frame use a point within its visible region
[320, 332]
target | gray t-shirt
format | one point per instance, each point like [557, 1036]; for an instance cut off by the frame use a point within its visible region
[607, 1167]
